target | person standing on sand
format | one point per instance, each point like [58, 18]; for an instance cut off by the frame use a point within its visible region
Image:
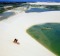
[16, 41]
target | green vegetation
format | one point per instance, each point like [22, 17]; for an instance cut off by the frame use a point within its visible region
[2, 10]
[48, 35]
[9, 6]
[54, 7]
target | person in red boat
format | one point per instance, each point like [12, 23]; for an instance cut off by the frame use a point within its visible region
[16, 41]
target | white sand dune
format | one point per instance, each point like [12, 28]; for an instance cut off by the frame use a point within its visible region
[15, 27]
[46, 3]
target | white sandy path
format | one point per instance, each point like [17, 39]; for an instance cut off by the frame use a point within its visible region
[15, 27]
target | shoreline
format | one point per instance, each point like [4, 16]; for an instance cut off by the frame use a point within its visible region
[15, 27]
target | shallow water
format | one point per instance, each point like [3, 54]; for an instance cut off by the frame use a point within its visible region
[48, 35]
[45, 9]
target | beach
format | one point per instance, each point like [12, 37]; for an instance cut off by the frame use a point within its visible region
[15, 27]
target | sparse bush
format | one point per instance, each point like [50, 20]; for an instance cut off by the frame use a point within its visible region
[2, 10]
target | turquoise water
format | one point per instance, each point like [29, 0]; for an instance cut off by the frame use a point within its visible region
[48, 35]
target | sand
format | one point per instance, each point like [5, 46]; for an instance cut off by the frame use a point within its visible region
[15, 27]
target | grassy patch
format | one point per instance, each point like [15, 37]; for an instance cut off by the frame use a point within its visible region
[2, 10]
